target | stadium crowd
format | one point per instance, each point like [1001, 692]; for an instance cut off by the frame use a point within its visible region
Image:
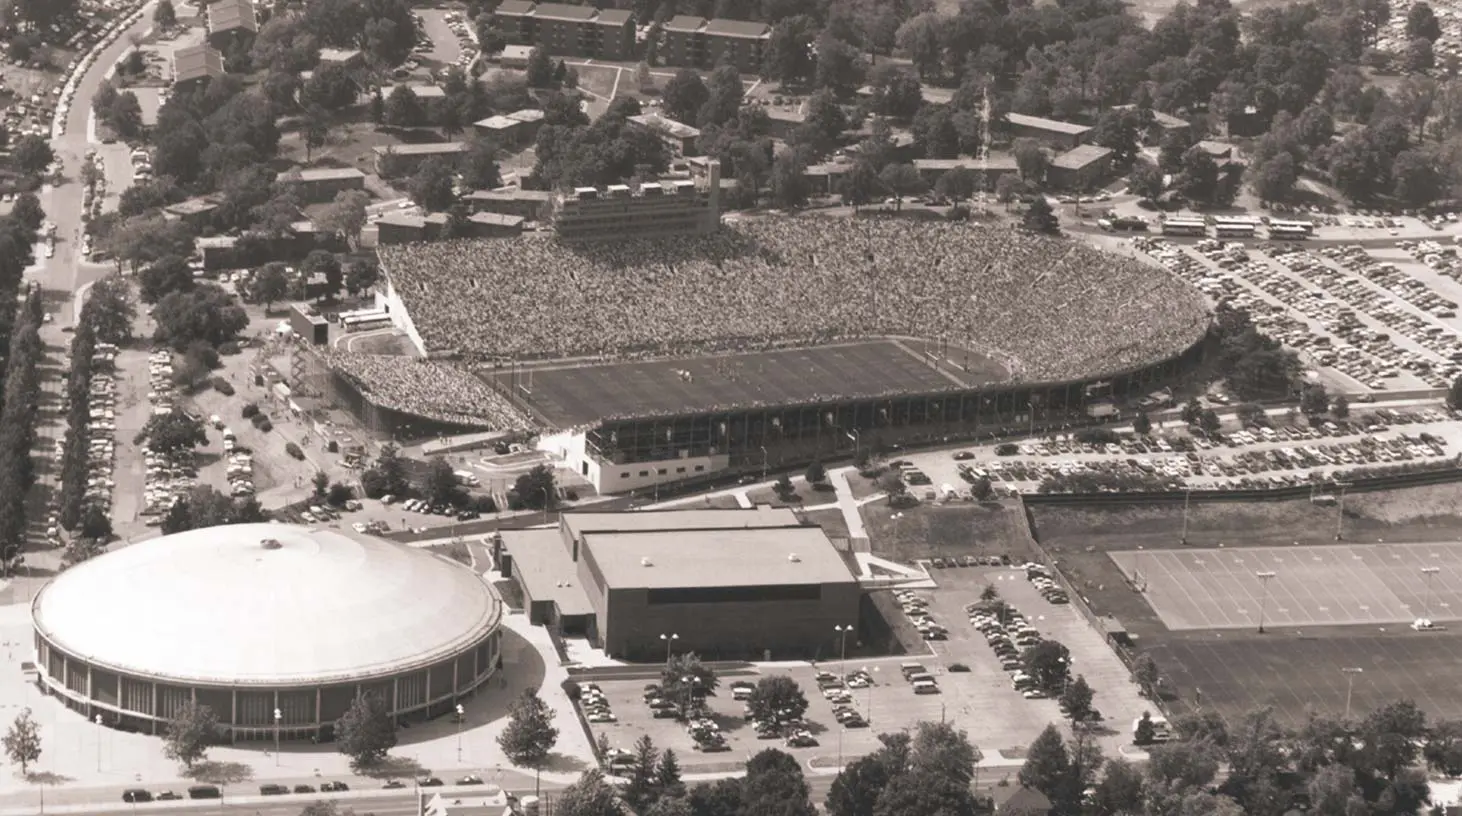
[1057, 309]
[437, 391]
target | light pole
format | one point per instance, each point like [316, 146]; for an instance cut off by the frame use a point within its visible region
[1187, 500]
[1349, 684]
[763, 463]
[1340, 512]
[857, 437]
[896, 525]
[1426, 600]
[460, 717]
[871, 683]
[99, 743]
[545, 503]
[669, 644]
[843, 631]
[1264, 578]
[278, 718]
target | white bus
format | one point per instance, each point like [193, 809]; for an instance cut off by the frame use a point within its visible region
[1233, 230]
[363, 320]
[1184, 226]
[1291, 230]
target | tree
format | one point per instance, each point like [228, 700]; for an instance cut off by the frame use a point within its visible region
[1208, 421]
[331, 88]
[774, 784]
[920, 37]
[173, 431]
[940, 750]
[269, 285]
[1145, 732]
[1183, 764]
[859, 786]
[684, 95]
[723, 99]
[1314, 399]
[816, 473]
[685, 677]
[315, 129]
[860, 185]
[788, 183]
[1420, 56]
[1340, 407]
[23, 741]
[1421, 22]
[1120, 791]
[163, 277]
[1047, 767]
[1076, 699]
[591, 795]
[432, 186]
[96, 524]
[360, 275]
[896, 92]
[640, 793]
[540, 69]
[1454, 394]
[402, 108]
[32, 154]
[346, 215]
[164, 15]
[1040, 218]
[1274, 179]
[1048, 662]
[206, 313]
[1146, 181]
[529, 735]
[1141, 425]
[1417, 178]
[479, 167]
[902, 180]
[366, 731]
[1198, 180]
[27, 212]
[538, 488]
[777, 697]
[189, 733]
[323, 264]
[957, 184]
[109, 311]
[924, 794]
[441, 486]
[667, 776]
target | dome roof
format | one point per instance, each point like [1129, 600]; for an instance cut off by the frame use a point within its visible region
[266, 603]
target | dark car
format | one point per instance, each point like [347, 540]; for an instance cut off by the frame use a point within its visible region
[394, 784]
[334, 787]
[304, 789]
[431, 782]
[273, 790]
[963, 456]
[205, 792]
[467, 515]
[168, 796]
[136, 795]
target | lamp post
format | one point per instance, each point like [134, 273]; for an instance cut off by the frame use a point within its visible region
[460, 717]
[871, 683]
[1349, 684]
[843, 631]
[669, 644]
[857, 437]
[896, 525]
[1264, 578]
[1187, 500]
[1340, 512]
[1426, 600]
[763, 463]
[98, 743]
[545, 503]
[278, 718]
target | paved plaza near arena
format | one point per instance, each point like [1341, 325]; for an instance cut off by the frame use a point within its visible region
[1339, 585]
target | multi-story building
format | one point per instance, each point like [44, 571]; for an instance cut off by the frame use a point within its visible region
[655, 209]
[568, 31]
[317, 184]
[696, 42]
[406, 158]
[1053, 133]
[1080, 168]
[531, 205]
[679, 138]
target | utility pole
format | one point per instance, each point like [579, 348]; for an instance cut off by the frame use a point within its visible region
[1187, 501]
[1264, 579]
[1426, 598]
[1349, 685]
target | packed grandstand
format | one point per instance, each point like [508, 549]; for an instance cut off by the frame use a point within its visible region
[1060, 309]
[439, 391]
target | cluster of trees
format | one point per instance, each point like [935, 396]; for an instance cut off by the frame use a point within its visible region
[106, 317]
[203, 506]
[1340, 767]
[925, 770]
[573, 152]
[21, 349]
[774, 783]
[1255, 365]
[118, 110]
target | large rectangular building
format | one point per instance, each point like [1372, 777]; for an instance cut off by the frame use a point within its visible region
[568, 31]
[231, 23]
[695, 42]
[654, 209]
[752, 583]
[1050, 132]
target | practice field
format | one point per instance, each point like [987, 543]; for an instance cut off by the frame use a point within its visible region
[580, 395]
[1298, 675]
[1308, 586]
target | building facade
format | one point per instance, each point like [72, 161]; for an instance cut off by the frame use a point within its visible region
[1081, 168]
[1054, 134]
[568, 31]
[655, 209]
[678, 138]
[231, 24]
[752, 583]
[318, 184]
[695, 42]
[402, 160]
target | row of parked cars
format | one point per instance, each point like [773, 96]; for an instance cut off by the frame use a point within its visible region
[916, 609]
[1009, 635]
[595, 705]
[98, 35]
[839, 691]
[101, 438]
[1046, 584]
[169, 475]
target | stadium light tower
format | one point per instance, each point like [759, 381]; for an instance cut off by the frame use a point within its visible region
[669, 639]
[1350, 684]
[1264, 578]
[1426, 599]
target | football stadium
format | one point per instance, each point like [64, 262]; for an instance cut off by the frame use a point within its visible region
[768, 343]
[276, 628]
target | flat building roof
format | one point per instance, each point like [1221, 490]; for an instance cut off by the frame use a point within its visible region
[647, 520]
[1041, 123]
[727, 557]
[543, 565]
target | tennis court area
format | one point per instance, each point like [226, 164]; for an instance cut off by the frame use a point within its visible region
[1331, 585]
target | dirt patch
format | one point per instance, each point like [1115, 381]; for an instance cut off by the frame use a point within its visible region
[830, 520]
[927, 530]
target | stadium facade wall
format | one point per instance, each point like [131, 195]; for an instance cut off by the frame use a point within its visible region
[775, 438]
[390, 300]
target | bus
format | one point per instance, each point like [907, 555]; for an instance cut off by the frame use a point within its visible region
[1288, 232]
[1184, 226]
[1233, 230]
[365, 319]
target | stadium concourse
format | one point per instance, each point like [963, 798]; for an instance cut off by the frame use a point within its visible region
[931, 327]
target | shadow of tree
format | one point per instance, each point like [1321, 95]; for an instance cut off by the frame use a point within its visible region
[47, 778]
[392, 767]
[563, 763]
[220, 773]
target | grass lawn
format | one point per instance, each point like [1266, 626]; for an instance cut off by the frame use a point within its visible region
[862, 488]
[599, 79]
[961, 528]
[722, 502]
[831, 521]
[350, 144]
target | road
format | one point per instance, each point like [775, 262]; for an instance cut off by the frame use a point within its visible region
[379, 803]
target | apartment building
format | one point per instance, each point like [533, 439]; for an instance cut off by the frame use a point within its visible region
[695, 42]
[679, 138]
[568, 31]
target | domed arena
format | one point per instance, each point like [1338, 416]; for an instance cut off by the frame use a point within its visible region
[254, 619]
